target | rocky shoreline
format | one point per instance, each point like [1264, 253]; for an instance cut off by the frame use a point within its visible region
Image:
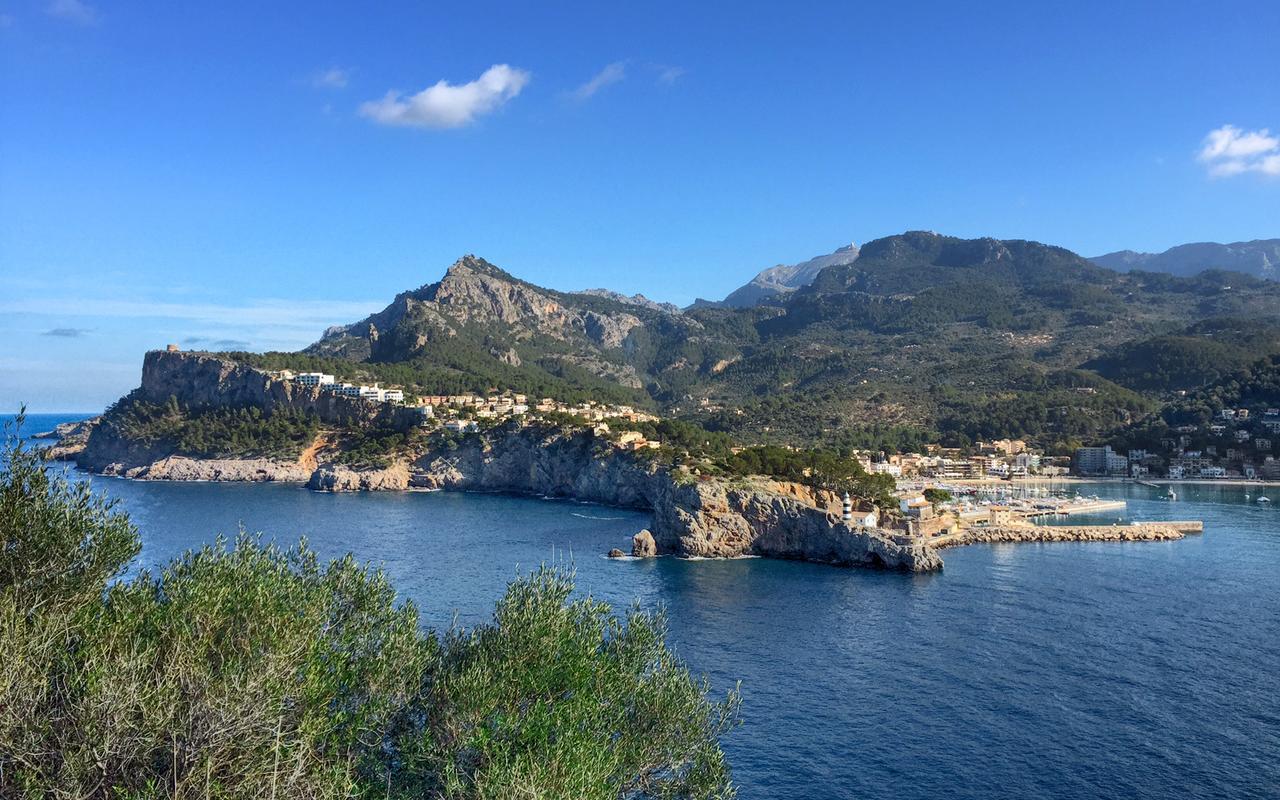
[692, 516]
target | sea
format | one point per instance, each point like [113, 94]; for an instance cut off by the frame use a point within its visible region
[1077, 670]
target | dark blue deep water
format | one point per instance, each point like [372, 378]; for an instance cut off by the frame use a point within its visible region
[1143, 670]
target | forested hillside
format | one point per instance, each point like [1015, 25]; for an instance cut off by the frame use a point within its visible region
[922, 337]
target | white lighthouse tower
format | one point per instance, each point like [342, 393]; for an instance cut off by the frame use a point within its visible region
[848, 509]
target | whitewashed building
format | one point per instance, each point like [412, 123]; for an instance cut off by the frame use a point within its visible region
[314, 379]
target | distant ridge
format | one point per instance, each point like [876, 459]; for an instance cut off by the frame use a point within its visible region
[775, 283]
[1259, 258]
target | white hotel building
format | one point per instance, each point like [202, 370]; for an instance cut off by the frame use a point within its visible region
[314, 379]
[327, 383]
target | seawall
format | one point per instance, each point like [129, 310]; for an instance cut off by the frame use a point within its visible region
[1137, 532]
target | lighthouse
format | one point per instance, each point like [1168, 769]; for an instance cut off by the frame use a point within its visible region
[848, 509]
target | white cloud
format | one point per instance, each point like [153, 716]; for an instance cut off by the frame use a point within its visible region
[1231, 151]
[447, 106]
[76, 11]
[611, 74]
[332, 78]
[670, 75]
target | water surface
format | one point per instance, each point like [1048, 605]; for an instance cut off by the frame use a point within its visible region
[1081, 670]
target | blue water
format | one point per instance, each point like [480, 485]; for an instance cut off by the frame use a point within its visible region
[1137, 670]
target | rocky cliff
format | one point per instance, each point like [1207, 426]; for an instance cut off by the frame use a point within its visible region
[691, 517]
[721, 518]
[201, 380]
[476, 300]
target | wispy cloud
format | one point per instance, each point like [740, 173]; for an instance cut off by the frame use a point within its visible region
[276, 321]
[445, 105]
[331, 78]
[67, 333]
[608, 76]
[669, 74]
[1231, 151]
[217, 344]
[76, 11]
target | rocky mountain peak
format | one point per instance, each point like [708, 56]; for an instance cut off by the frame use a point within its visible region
[775, 283]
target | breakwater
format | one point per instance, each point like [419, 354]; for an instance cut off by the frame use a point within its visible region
[1135, 532]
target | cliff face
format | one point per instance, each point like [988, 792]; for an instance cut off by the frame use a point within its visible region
[719, 518]
[475, 295]
[690, 518]
[547, 462]
[200, 381]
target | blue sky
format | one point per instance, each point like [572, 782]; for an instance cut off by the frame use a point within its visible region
[247, 174]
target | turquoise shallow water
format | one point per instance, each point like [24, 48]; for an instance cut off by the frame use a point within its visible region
[1137, 670]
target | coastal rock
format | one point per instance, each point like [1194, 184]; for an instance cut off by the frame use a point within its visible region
[72, 437]
[340, 478]
[616, 553]
[181, 468]
[643, 545]
[202, 381]
[541, 460]
[724, 519]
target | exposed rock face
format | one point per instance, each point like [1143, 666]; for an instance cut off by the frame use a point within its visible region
[774, 284]
[632, 300]
[71, 438]
[542, 461]
[340, 478]
[180, 468]
[200, 381]
[643, 545]
[690, 518]
[475, 293]
[718, 518]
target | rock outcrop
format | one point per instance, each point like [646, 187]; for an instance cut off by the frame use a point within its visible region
[70, 439]
[202, 381]
[719, 518]
[643, 545]
[546, 461]
[341, 478]
[181, 468]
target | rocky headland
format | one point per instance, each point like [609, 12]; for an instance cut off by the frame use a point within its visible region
[692, 515]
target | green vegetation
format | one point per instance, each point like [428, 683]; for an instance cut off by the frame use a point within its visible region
[714, 453]
[937, 496]
[246, 671]
[922, 339]
[451, 367]
[1201, 355]
[215, 432]
[374, 448]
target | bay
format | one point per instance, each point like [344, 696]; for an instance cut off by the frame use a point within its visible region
[1080, 670]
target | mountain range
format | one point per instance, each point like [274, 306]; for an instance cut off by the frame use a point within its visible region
[1259, 258]
[920, 337]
